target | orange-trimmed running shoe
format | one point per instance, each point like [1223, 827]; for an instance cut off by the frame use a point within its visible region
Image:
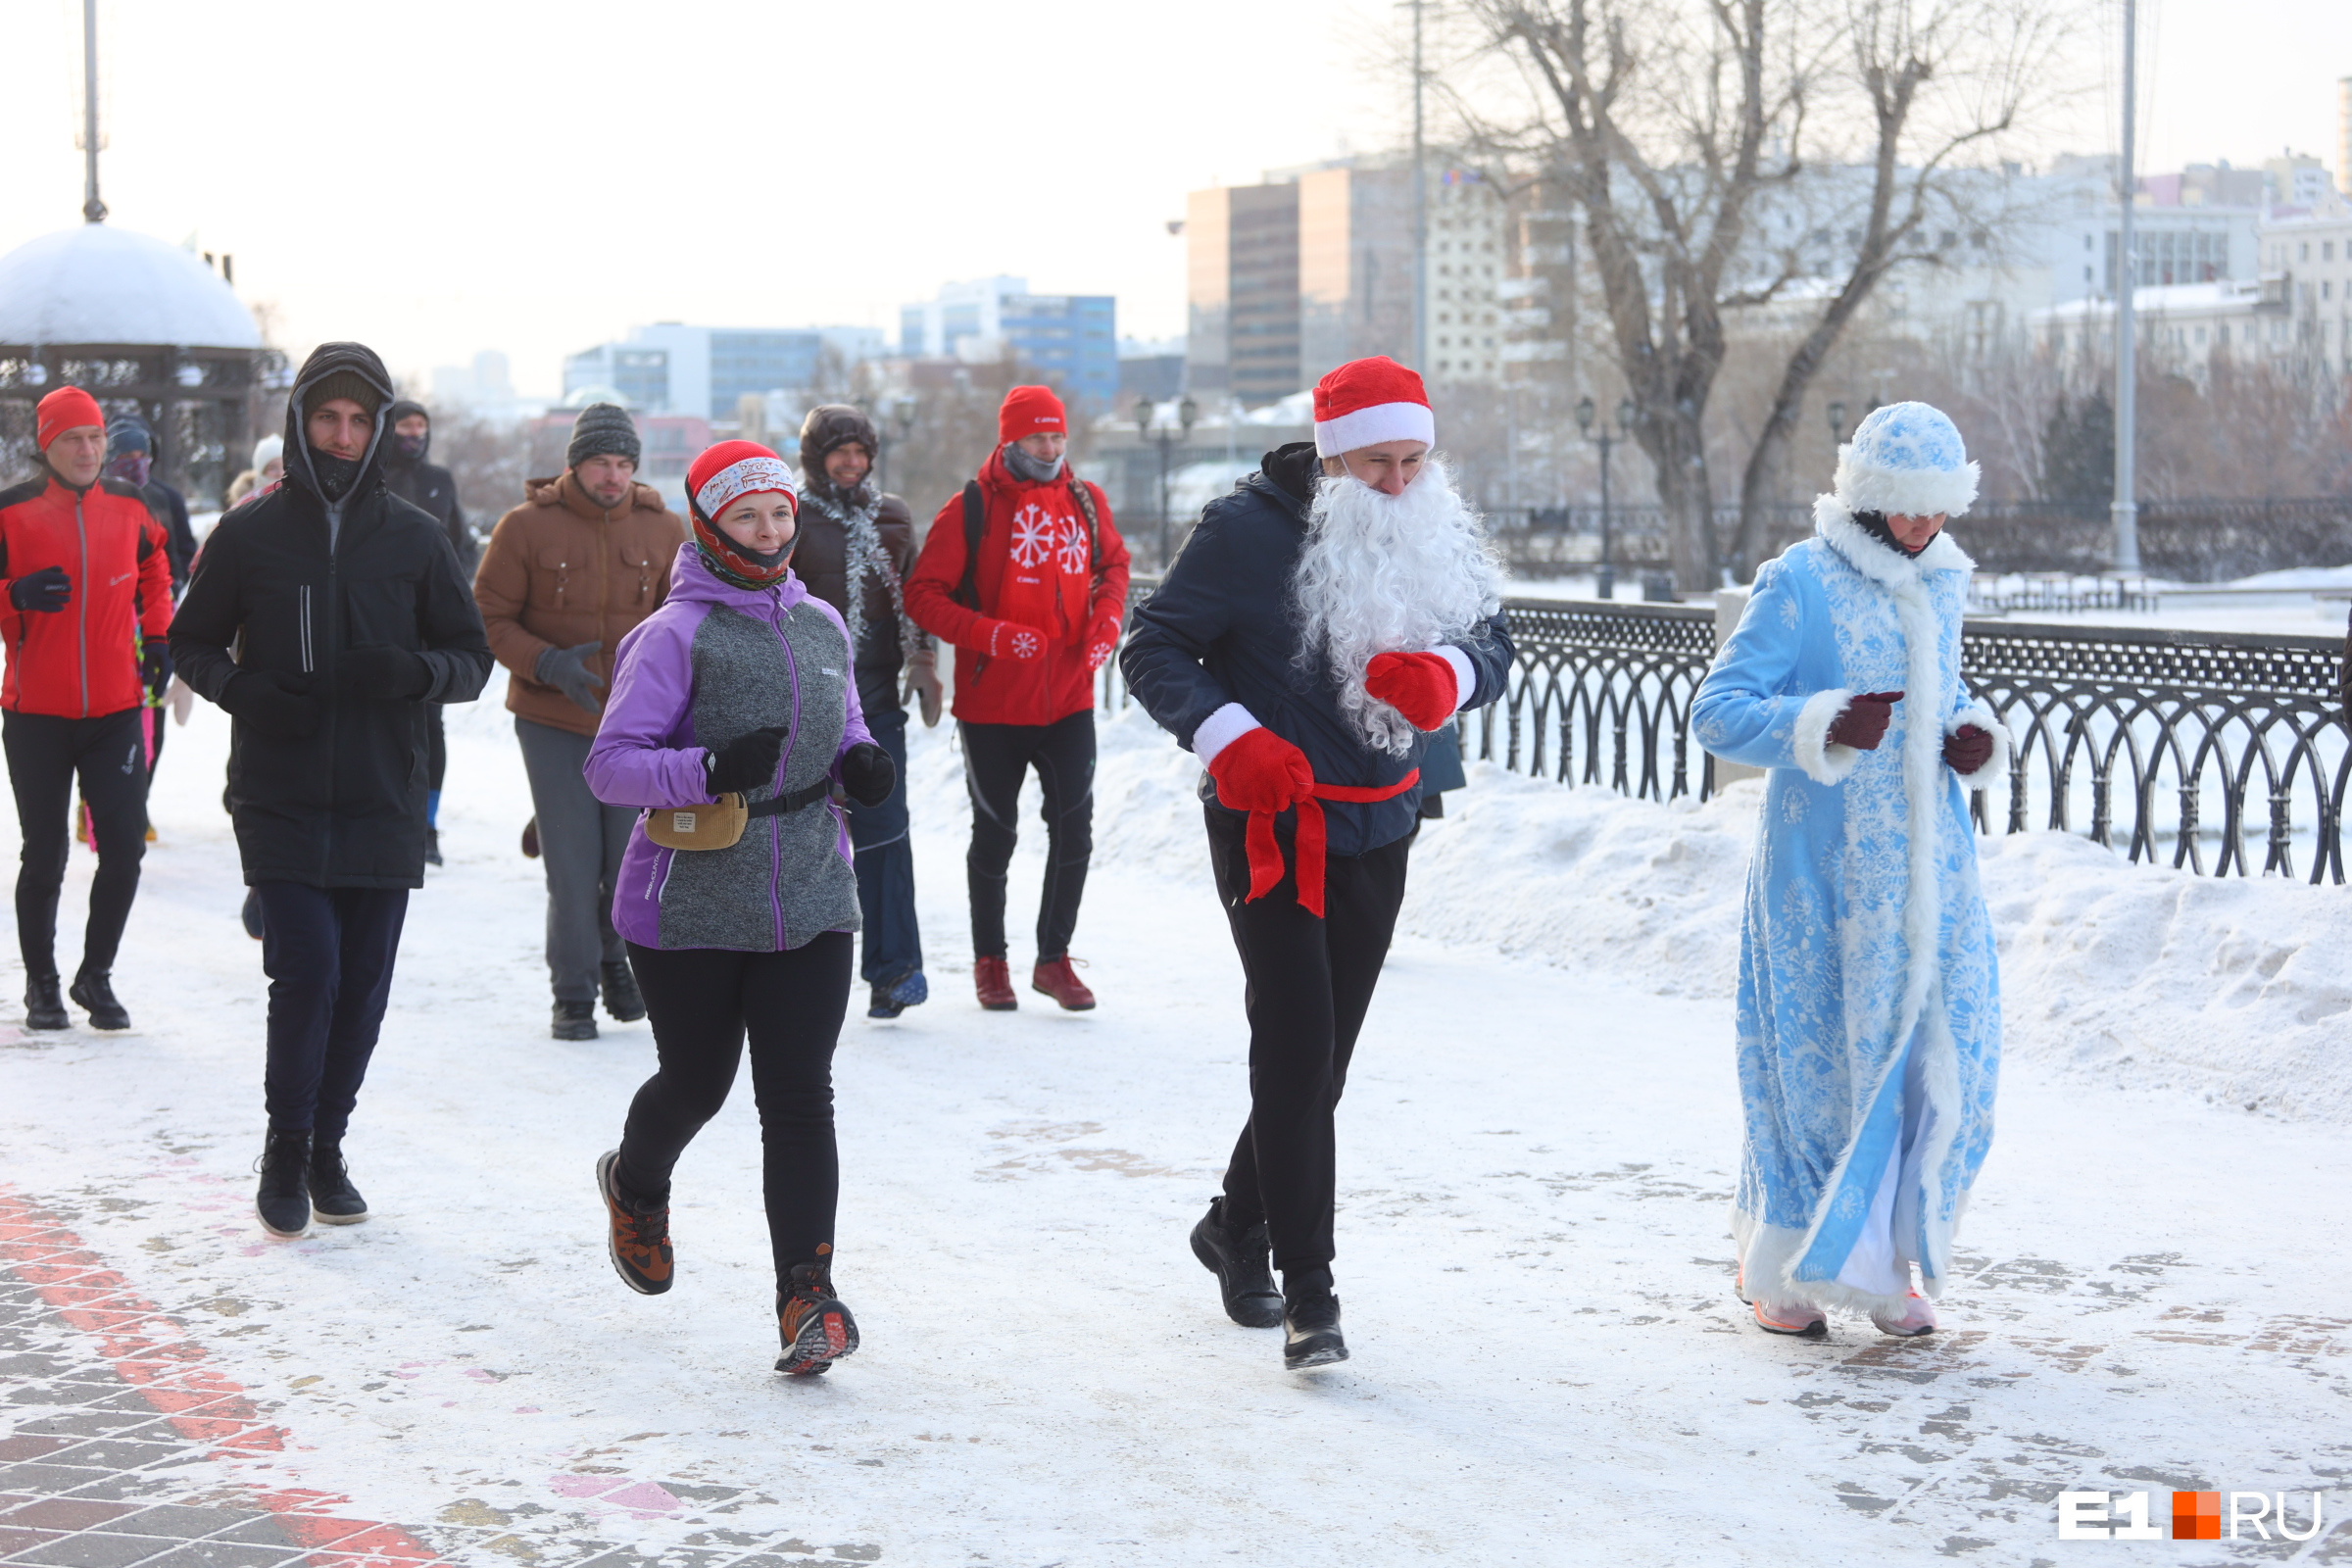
[1917, 1317]
[637, 1239]
[817, 1329]
[1792, 1317]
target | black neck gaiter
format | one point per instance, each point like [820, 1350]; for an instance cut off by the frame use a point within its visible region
[335, 475]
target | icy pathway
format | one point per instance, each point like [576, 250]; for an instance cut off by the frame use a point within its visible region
[1547, 1364]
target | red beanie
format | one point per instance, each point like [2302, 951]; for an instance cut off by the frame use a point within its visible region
[732, 470]
[1366, 402]
[66, 409]
[1031, 410]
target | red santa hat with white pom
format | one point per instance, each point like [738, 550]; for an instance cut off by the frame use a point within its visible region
[1366, 402]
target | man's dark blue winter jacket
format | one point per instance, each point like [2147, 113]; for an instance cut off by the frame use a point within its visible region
[1220, 630]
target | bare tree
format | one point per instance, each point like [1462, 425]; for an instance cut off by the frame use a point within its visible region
[1683, 126]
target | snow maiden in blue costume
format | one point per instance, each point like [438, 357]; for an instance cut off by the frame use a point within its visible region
[1869, 1011]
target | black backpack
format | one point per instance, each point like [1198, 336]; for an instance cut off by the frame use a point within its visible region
[975, 522]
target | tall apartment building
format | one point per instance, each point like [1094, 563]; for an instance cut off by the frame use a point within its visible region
[1070, 340]
[707, 371]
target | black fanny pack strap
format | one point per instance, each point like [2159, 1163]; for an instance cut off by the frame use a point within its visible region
[794, 800]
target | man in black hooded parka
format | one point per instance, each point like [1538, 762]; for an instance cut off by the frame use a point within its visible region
[348, 613]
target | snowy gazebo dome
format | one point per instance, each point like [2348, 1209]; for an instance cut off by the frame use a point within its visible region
[96, 283]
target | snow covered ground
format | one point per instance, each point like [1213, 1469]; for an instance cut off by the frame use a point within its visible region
[1536, 1148]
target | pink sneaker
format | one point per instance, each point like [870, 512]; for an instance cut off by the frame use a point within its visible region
[1918, 1317]
[1804, 1322]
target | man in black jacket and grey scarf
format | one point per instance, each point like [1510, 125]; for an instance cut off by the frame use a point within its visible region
[349, 615]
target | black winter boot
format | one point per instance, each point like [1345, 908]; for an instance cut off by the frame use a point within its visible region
[44, 1007]
[574, 1020]
[1310, 1323]
[621, 998]
[1237, 1255]
[284, 1199]
[333, 1199]
[95, 992]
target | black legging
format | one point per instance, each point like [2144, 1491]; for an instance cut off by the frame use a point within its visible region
[700, 1000]
[45, 753]
[996, 757]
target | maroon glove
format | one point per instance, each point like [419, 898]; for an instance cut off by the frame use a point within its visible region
[1863, 724]
[1260, 772]
[1420, 686]
[1967, 749]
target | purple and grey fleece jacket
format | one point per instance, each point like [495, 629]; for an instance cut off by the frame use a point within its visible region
[714, 662]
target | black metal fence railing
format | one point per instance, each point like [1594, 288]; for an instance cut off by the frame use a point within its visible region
[2217, 753]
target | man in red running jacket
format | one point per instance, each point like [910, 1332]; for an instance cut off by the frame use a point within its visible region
[1033, 612]
[86, 598]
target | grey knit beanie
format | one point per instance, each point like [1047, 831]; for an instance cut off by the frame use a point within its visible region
[603, 429]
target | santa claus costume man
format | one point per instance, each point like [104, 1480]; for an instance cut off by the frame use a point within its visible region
[1339, 606]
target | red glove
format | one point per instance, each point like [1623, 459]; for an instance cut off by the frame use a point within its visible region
[1101, 641]
[1967, 749]
[1260, 772]
[1420, 686]
[1863, 722]
[1005, 639]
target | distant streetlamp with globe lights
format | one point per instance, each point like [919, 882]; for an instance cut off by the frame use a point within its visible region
[1605, 581]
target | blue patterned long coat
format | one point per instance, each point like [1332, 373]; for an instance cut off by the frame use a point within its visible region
[1865, 935]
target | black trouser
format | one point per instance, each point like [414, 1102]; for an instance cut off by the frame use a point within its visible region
[996, 756]
[328, 955]
[1309, 983]
[436, 760]
[45, 753]
[700, 1000]
[884, 860]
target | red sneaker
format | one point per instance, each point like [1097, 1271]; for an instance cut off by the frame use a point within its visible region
[994, 981]
[1056, 979]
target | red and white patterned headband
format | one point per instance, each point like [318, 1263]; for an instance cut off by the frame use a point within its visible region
[746, 477]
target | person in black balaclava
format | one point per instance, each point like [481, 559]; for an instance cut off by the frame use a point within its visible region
[428, 485]
[350, 617]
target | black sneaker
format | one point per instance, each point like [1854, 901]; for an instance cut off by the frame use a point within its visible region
[252, 913]
[333, 1199]
[621, 998]
[636, 1239]
[93, 993]
[817, 1330]
[1311, 1331]
[432, 846]
[574, 1020]
[1237, 1256]
[283, 1200]
[44, 1007]
[894, 997]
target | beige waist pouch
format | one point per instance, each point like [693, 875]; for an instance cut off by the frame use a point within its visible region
[713, 825]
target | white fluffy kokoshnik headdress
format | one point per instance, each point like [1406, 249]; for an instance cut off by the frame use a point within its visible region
[1906, 459]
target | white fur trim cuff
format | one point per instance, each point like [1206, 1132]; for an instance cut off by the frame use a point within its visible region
[1823, 762]
[1369, 428]
[1221, 729]
[1465, 679]
[1979, 713]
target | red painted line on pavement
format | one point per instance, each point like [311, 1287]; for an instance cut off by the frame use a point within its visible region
[155, 1353]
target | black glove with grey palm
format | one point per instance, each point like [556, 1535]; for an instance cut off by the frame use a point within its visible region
[388, 674]
[566, 670]
[274, 702]
[44, 592]
[748, 762]
[867, 774]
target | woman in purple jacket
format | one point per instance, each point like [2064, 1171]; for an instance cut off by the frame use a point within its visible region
[742, 681]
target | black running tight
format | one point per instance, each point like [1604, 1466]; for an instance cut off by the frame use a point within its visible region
[700, 1000]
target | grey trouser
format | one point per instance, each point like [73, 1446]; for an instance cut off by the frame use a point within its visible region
[580, 843]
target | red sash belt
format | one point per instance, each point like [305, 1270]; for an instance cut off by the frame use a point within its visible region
[1265, 853]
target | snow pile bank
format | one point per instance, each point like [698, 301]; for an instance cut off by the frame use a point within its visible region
[2239, 991]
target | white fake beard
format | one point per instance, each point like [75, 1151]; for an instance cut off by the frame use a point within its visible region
[1382, 574]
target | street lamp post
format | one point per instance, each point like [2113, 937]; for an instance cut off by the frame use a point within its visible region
[1604, 580]
[1146, 417]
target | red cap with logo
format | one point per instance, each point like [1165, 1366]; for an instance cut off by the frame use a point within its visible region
[1031, 410]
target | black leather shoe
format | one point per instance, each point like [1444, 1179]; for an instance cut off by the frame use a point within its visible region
[283, 1199]
[432, 846]
[575, 1020]
[95, 995]
[1237, 1256]
[252, 913]
[1310, 1332]
[44, 1008]
[333, 1199]
[621, 998]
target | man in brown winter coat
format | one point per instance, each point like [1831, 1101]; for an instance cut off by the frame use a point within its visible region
[565, 576]
[857, 545]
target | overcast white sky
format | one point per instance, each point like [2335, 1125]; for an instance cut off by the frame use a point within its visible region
[443, 175]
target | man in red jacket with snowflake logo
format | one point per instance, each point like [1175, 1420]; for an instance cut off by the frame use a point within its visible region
[1026, 576]
[85, 598]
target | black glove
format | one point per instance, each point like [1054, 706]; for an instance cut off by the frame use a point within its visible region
[869, 775]
[391, 673]
[44, 592]
[566, 670]
[155, 666]
[274, 703]
[747, 762]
